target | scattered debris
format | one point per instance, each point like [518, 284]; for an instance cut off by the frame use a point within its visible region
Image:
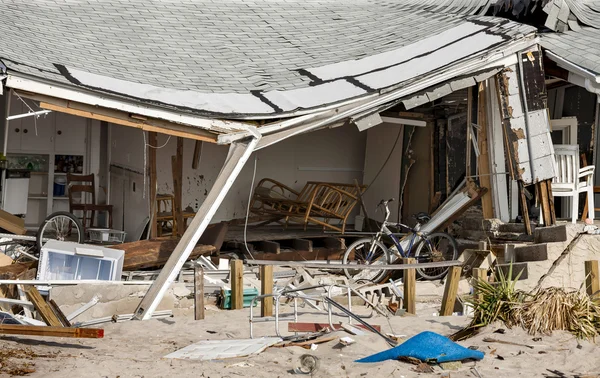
[308, 364]
[451, 365]
[423, 367]
[490, 340]
[222, 349]
[345, 341]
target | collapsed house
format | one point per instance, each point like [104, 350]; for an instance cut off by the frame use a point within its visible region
[206, 101]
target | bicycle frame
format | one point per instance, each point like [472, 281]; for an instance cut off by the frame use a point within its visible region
[384, 230]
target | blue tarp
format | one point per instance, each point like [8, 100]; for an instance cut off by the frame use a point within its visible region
[427, 346]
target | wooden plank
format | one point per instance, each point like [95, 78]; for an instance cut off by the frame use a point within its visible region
[316, 254]
[410, 284]
[121, 118]
[25, 330]
[269, 247]
[197, 154]
[266, 287]
[154, 253]
[592, 277]
[524, 209]
[178, 187]
[485, 179]
[316, 327]
[42, 307]
[198, 292]
[479, 275]
[317, 265]
[152, 182]
[545, 203]
[450, 291]
[237, 284]
[469, 136]
[59, 314]
[11, 223]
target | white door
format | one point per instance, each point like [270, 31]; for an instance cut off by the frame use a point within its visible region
[70, 134]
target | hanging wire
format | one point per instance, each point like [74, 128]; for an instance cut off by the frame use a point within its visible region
[146, 158]
[35, 117]
[248, 208]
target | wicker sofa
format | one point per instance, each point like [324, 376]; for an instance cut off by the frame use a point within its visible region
[321, 203]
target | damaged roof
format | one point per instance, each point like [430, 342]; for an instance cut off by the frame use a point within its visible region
[238, 58]
[581, 47]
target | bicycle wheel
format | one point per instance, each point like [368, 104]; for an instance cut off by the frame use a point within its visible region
[436, 247]
[358, 253]
[62, 226]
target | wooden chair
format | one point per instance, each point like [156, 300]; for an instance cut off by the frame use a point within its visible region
[571, 180]
[82, 198]
[165, 214]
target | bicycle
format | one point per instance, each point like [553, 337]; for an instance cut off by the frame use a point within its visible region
[437, 246]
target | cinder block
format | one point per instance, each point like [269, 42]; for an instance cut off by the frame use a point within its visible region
[534, 252]
[516, 269]
[551, 234]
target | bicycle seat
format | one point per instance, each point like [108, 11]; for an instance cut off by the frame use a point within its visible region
[422, 217]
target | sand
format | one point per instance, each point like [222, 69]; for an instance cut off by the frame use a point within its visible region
[136, 349]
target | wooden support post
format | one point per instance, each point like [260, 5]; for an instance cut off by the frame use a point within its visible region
[42, 307]
[269, 246]
[485, 179]
[237, 284]
[592, 277]
[546, 202]
[88, 333]
[524, 209]
[198, 292]
[450, 291]
[410, 283]
[152, 142]
[266, 287]
[177, 165]
[479, 275]
[197, 154]
[469, 122]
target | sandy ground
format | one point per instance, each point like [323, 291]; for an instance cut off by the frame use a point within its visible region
[136, 349]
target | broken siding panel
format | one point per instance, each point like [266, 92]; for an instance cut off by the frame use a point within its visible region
[527, 130]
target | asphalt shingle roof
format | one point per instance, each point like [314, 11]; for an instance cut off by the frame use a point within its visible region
[581, 47]
[214, 47]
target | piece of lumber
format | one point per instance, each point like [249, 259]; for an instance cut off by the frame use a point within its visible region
[592, 277]
[524, 208]
[12, 223]
[26, 330]
[124, 119]
[485, 179]
[177, 165]
[237, 284]
[316, 327]
[450, 291]
[198, 292]
[59, 314]
[479, 275]
[45, 311]
[545, 203]
[197, 154]
[469, 123]
[308, 343]
[12, 271]
[318, 265]
[316, 254]
[269, 246]
[152, 145]
[154, 253]
[266, 287]
[410, 283]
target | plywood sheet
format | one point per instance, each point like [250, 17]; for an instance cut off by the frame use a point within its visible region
[221, 349]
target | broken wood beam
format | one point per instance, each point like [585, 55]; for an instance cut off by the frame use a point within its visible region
[177, 166]
[269, 246]
[236, 278]
[524, 209]
[450, 291]
[479, 275]
[197, 154]
[485, 178]
[42, 307]
[198, 292]
[152, 145]
[154, 253]
[592, 277]
[266, 287]
[59, 314]
[26, 330]
[410, 284]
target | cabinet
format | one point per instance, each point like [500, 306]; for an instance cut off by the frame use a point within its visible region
[70, 134]
[36, 133]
